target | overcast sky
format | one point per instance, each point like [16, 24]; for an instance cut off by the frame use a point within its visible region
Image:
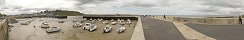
[152, 7]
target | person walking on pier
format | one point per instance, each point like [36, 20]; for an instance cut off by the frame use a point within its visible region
[164, 16]
[240, 20]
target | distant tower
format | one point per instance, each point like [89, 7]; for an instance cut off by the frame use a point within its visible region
[2, 2]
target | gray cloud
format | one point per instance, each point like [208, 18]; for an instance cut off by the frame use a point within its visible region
[225, 3]
[167, 6]
[91, 1]
[141, 5]
[151, 3]
[85, 1]
[208, 9]
[2, 2]
[221, 7]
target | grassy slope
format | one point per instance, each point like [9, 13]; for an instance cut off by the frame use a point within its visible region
[2, 15]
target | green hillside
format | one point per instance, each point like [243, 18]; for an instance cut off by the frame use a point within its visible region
[2, 15]
[68, 13]
[64, 13]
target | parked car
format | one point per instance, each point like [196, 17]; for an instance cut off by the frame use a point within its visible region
[44, 26]
[24, 23]
[105, 22]
[45, 23]
[122, 20]
[100, 19]
[121, 29]
[118, 20]
[81, 21]
[86, 27]
[53, 29]
[112, 20]
[75, 20]
[113, 23]
[76, 25]
[92, 28]
[60, 21]
[93, 21]
[107, 29]
[29, 21]
[129, 22]
[10, 25]
[89, 27]
[122, 23]
[84, 19]
[90, 19]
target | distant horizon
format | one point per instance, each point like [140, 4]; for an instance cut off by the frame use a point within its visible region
[149, 14]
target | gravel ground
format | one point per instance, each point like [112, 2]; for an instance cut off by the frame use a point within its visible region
[28, 32]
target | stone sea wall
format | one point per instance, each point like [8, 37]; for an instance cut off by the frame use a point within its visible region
[201, 20]
[4, 29]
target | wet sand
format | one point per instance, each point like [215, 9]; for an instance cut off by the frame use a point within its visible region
[28, 32]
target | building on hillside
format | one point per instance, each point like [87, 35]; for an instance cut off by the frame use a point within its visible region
[49, 14]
